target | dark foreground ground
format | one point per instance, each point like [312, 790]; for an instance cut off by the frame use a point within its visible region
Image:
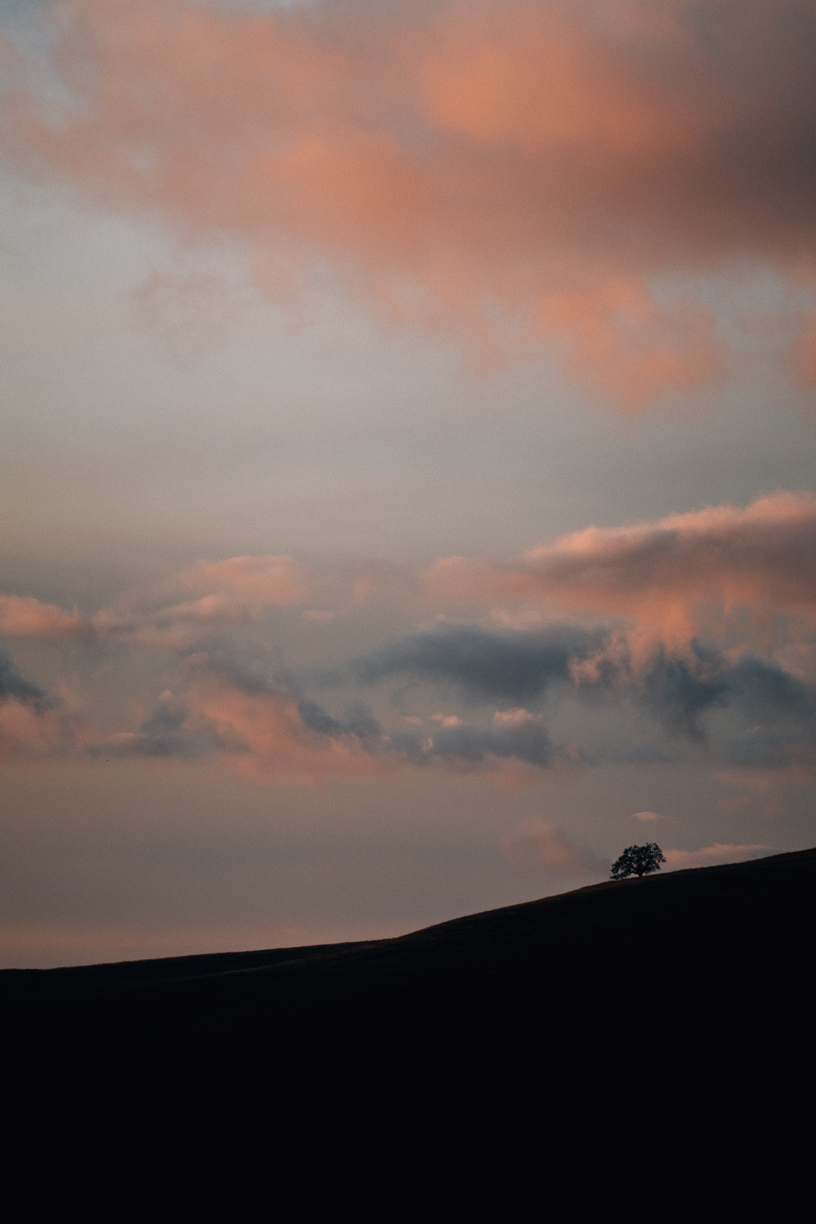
[644, 1045]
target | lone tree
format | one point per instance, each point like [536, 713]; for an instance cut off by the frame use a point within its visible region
[638, 860]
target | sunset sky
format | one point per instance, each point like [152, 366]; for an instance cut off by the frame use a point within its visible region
[408, 458]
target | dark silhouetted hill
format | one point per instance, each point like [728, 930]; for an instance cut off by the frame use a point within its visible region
[637, 1039]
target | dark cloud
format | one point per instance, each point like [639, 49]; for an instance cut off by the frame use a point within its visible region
[503, 667]
[358, 720]
[14, 687]
[680, 691]
[242, 712]
[164, 733]
[520, 738]
[517, 735]
[232, 704]
[783, 707]
[765, 690]
[34, 724]
[523, 740]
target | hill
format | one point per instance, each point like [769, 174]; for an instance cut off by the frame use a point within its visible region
[648, 1026]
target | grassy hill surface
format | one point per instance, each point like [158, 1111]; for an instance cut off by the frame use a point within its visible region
[647, 1029]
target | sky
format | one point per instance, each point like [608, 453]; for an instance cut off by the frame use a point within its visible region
[407, 461]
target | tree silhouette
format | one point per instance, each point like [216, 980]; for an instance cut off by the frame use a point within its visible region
[638, 860]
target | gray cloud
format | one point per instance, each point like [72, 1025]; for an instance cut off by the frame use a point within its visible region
[771, 713]
[523, 739]
[681, 691]
[519, 736]
[519, 666]
[14, 687]
[677, 689]
[163, 733]
[358, 720]
[505, 667]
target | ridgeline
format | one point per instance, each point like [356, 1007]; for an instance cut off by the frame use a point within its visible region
[637, 1030]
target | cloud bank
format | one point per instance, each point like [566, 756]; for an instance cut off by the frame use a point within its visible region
[673, 578]
[502, 175]
[703, 630]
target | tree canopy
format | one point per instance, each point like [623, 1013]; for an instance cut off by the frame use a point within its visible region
[638, 860]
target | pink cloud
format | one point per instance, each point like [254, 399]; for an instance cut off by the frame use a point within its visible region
[262, 734]
[677, 860]
[671, 577]
[537, 845]
[542, 160]
[26, 617]
[240, 588]
[31, 732]
[235, 590]
[252, 583]
[766, 787]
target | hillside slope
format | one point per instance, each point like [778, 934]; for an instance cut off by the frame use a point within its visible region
[667, 1020]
